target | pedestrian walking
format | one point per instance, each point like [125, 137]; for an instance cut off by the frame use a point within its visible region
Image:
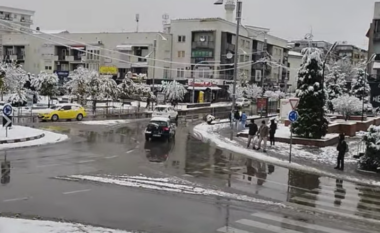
[263, 134]
[272, 132]
[342, 148]
[252, 133]
[243, 120]
[236, 117]
[138, 106]
[147, 102]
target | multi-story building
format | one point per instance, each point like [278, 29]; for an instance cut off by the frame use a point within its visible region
[113, 53]
[16, 17]
[373, 35]
[298, 45]
[294, 64]
[209, 45]
[351, 52]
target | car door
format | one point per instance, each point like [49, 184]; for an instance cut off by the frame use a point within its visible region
[171, 112]
[66, 112]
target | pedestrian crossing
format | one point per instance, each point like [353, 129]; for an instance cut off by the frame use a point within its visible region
[344, 200]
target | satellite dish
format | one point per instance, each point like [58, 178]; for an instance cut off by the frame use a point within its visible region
[229, 55]
[202, 39]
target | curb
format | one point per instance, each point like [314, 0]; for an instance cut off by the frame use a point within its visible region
[22, 139]
[361, 171]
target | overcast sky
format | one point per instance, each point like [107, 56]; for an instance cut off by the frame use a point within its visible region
[331, 20]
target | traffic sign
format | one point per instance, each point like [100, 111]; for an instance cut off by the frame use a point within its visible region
[7, 110]
[293, 116]
[294, 103]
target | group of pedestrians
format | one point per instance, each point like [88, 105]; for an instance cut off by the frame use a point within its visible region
[260, 135]
[240, 120]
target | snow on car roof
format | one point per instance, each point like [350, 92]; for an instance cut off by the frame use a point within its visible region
[159, 119]
[162, 106]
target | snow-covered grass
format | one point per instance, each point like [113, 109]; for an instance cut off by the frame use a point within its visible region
[49, 138]
[14, 225]
[207, 133]
[19, 132]
[167, 185]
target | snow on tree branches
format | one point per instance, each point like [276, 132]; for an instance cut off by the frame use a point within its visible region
[13, 81]
[371, 160]
[45, 84]
[360, 87]
[274, 95]
[312, 122]
[347, 105]
[250, 91]
[174, 91]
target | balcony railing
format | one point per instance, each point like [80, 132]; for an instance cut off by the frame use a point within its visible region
[203, 44]
[69, 58]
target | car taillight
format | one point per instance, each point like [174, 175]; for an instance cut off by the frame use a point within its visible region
[165, 129]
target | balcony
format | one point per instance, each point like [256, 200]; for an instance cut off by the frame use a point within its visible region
[203, 45]
[50, 57]
[230, 47]
[258, 66]
[69, 58]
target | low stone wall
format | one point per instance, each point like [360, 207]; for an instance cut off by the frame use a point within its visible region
[350, 128]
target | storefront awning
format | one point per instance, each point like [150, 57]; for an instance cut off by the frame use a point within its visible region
[124, 47]
[204, 88]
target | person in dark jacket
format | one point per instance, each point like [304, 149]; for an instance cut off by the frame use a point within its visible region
[236, 117]
[272, 131]
[342, 148]
[252, 132]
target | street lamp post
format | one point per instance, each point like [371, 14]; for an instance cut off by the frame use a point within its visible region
[236, 60]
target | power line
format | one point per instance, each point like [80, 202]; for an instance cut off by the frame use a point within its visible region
[246, 64]
[109, 50]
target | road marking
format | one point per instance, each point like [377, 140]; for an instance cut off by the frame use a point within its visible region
[231, 230]
[77, 191]
[17, 199]
[111, 157]
[49, 165]
[130, 151]
[87, 161]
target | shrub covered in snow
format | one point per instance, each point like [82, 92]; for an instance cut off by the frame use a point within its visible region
[371, 160]
[311, 122]
[347, 105]
[45, 84]
[174, 91]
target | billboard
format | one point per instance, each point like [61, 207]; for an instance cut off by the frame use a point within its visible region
[108, 70]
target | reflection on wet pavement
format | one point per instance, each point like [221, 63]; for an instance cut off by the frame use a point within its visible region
[124, 151]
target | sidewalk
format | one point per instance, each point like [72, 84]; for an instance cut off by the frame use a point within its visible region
[278, 155]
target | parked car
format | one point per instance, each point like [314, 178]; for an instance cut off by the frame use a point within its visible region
[160, 127]
[243, 102]
[63, 111]
[165, 111]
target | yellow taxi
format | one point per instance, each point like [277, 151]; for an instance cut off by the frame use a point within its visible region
[62, 111]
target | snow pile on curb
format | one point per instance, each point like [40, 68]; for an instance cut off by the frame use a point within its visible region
[111, 122]
[13, 225]
[49, 138]
[207, 133]
[168, 185]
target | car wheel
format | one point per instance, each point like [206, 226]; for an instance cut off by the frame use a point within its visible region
[55, 117]
[79, 117]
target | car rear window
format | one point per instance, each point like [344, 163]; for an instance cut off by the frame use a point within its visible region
[160, 123]
[160, 109]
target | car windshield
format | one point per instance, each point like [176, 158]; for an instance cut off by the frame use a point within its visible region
[55, 107]
[160, 123]
[160, 109]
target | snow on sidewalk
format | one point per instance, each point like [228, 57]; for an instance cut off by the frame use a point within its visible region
[14, 225]
[19, 132]
[167, 185]
[207, 133]
[49, 138]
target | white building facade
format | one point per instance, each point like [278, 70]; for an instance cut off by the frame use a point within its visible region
[295, 62]
[112, 53]
[205, 46]
[16, 17]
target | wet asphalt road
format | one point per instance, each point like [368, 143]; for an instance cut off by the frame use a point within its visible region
[122, 150]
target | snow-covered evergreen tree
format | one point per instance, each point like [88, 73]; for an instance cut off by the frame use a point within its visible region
[108, 87]
[45, 84]
[346, 105]
[360, 87]
[371, 160]
[335, 87]
[311, 122]
[128, 89]
[174, 91]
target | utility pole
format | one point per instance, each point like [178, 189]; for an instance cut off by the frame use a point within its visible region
[264, 55]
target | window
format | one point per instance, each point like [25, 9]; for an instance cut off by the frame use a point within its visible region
[181, 39]
[180, 72]
[181, 53]
[48, 68]
[166, 72]
[66, 108]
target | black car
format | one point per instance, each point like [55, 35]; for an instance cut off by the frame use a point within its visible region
[160, 127]
[158, 152]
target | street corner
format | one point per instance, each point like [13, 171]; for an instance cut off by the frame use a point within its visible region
[22, 136]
